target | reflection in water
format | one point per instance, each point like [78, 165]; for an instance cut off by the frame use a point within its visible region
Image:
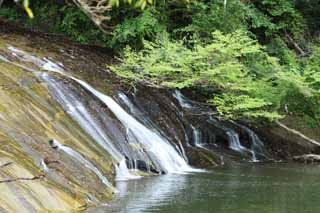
[286, 188]
[148, 194]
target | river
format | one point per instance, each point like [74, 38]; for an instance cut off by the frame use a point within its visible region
[245, 188]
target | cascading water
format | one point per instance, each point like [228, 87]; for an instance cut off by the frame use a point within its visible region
[257, 147]
[147, 122]
[196, 136]
[159, 150]
[78, 112]
[233, 137]
[122, 172]
[44, 166]
[155, 145]
[234, 141]
[76, 109]
[78, 157]
[184, 103]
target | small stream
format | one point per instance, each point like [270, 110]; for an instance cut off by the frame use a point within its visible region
[246, 188]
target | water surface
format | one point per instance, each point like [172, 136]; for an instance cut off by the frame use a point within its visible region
[246, 188]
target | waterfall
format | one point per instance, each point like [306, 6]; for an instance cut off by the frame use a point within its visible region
[157, 147]
[257, 147]
[147, 142]
[147, 122]
[78, 157]
[79, 113]
[234, 141]
[122, 173]
[152, 143]
[232, 135]
[44, 166]
[196, 136]
[184, 103]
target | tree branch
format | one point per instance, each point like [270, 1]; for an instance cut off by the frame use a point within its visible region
[298, 134]
[6, 164]
[39, 177]
[295, 45]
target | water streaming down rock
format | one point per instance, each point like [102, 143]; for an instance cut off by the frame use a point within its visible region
[147, 122]
[143, 135]
[183, 101]
[76, 109]
[122, 172]
[196, 136]
[257, 146]
[134, 111]
[44, 166]
[233, 137]
[234, 141]
[158, 148]
[78, 157]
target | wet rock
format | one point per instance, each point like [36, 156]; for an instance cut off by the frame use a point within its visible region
[284, 144]
[307, 158]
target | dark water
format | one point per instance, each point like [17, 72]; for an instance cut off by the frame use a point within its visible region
[247, 188]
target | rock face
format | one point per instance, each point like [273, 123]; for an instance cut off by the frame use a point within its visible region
[290, 141]
[29, 117]
[308, 158]
[91, 141]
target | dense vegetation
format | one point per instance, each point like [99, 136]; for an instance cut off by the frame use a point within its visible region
[252, 59]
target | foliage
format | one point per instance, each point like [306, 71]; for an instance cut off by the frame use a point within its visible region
[312, 69]
[132, 31]
[208, 17]
[282, 15]
[310, 12]
[224, 66]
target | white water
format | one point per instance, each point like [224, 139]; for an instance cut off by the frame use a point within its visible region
[79, 113]
[77, 156]
[182, 100]
[147, 122]
[161, 151]
[44, 166]
[233, 137]
[122, 172]
[257, 147]
[159, 147]
[234, 141]
[196, 136]
[75, 108]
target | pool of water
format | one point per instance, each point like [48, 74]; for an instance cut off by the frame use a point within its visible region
[245, 188]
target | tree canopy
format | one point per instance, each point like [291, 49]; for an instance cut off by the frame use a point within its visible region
[252, 59]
